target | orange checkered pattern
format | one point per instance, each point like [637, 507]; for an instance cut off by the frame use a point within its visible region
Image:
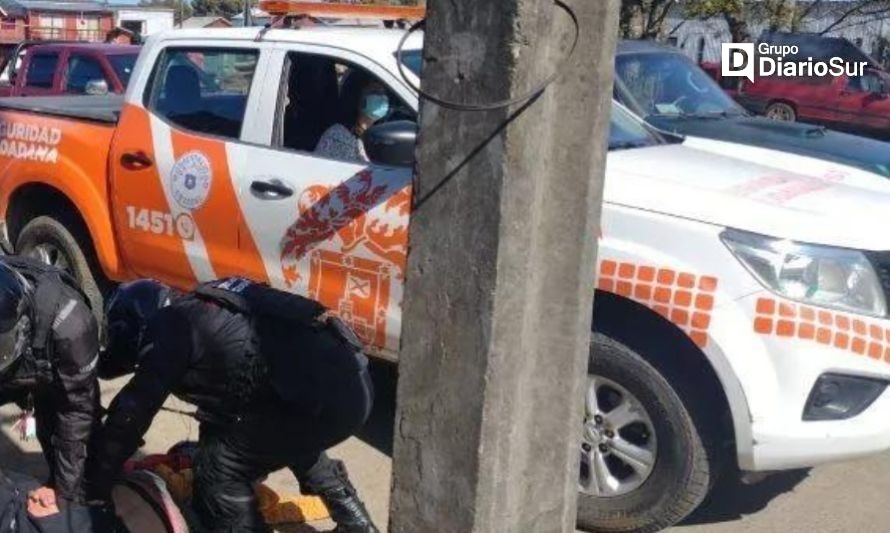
[681, 297]
[830, 328]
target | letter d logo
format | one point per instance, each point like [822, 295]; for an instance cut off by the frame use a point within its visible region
[737, 60]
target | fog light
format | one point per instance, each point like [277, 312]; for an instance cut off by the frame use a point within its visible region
[837, 397]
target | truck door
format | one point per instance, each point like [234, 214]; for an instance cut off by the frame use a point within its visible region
[863, 102]
[329, 225]
[41, 73]
[174, 202]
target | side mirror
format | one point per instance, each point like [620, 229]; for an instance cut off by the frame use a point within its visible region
[392, 143]
[96, 87]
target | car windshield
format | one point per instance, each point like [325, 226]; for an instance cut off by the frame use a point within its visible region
[626, 131]
[669, 84]
[123, 66]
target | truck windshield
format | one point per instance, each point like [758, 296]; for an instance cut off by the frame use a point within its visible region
[123, 66]
[626, 131]
[669, 84]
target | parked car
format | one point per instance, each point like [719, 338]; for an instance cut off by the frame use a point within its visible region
[667, 89]
[69, 68]
[740, 315]
[858, 104]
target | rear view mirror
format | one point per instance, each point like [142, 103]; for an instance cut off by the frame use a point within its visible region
[392, 143]
[96, 87]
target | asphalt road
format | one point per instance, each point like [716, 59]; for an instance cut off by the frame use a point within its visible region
[838, 498]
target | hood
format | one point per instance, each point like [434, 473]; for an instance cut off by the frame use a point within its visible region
[803, 139]
[694, 184]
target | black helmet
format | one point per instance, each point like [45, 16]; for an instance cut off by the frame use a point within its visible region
[14, 318]
[127, 314]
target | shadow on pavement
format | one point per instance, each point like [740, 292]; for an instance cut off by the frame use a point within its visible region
[732, 500]
[378, 430]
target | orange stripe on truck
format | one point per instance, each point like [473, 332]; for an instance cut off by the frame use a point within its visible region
[150, 192]
[230, 252]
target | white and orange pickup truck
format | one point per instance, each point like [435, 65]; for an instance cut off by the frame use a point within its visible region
[741, 316]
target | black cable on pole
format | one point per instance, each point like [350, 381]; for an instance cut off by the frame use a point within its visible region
[460, 106]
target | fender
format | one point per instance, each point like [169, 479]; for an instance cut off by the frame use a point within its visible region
[88, 195]
[696, 287]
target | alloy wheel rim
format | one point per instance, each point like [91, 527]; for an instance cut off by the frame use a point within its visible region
[619, 445]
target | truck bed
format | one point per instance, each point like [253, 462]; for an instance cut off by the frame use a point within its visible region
[105, 108]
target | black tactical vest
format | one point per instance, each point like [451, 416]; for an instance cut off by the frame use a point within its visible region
[305, 356]
[47, 297]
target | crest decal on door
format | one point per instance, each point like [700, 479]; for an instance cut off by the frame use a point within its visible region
[355, 237]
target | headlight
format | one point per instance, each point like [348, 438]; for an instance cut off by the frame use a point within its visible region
[821, 275]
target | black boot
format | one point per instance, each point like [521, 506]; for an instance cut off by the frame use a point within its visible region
[329, 480]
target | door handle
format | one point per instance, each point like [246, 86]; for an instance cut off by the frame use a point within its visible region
[270, 190]
[136, 160]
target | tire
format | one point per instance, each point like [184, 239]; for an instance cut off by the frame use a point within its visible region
[681, 474]
[53, 242]
[781, 111]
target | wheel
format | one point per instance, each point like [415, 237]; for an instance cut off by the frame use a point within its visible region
[644, 463]
[781, 111]
[58, 244]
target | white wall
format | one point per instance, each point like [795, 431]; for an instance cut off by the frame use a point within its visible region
[153, 20]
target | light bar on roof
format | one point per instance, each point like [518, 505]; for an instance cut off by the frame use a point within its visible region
[348, 11]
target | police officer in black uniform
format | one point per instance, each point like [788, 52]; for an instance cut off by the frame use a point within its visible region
[49, 346]
[276, 380]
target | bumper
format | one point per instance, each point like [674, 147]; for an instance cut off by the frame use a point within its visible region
[786, 348]
[811, 443]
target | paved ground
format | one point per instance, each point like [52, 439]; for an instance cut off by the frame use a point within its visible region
[841, 498]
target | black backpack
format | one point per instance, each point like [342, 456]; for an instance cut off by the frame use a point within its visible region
[304, 358]
[47, 300]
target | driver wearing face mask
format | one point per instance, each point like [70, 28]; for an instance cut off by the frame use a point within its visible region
[363, 102]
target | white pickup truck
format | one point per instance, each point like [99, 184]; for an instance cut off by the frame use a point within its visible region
[741, 314]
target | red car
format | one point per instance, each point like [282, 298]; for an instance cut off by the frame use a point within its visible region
[70, 68]
[860, 104]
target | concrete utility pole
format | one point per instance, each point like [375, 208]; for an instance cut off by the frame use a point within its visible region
[501, 270]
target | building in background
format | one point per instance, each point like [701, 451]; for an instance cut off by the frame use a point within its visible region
[206, 22]
[74, 20]
[258, 17]
[143, 21]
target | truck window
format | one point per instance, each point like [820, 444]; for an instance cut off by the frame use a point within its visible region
[123, 65]
[320, 93]
[204, 90]
[81, 70]
[41, 70]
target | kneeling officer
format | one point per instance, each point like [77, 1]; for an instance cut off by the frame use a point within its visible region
[276, 381]
[49, 346]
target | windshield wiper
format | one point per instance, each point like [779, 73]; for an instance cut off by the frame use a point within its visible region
[628, 145]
